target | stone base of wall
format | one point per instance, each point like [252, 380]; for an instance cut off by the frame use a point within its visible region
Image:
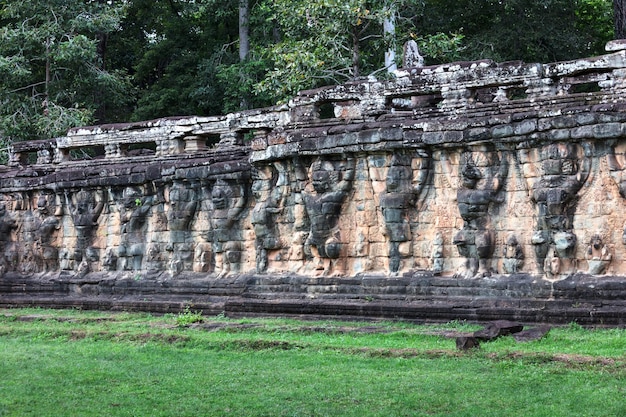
[418, 296]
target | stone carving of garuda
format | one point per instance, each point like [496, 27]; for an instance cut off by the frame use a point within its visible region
[331, 183]
[134, 205]
[229, 200]
[85, 212]
[554, 192]
[400, 195]
[268, 191]
[482, 176]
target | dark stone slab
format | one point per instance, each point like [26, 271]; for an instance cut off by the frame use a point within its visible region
[497, 329]
[467, 343]
[534, 333]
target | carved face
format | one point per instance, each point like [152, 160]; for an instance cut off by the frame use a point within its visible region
[261, 183]
[42, 204]
[321, 180]
[471, 174]
[396, 177]
[559, 159]
[82, 207]
[219, 198]
[131, 196]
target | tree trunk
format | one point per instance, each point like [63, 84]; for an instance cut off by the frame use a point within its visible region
[619, 17]
[244, 30]
[355, 53]
[244, 41]
[389, 30]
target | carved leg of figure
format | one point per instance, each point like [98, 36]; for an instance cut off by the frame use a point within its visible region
[541, 241]
[484, 249]
[261, 259]
[464, 241]
[394, 257]
[472, 270]
[137, 260]
[233, 258]
[219, 263]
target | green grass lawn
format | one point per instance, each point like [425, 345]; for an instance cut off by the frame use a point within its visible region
[73, 363]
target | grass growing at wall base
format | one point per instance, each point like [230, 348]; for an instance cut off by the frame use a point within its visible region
[71, 363]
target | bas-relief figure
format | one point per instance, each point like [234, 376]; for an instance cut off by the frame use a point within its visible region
[134, 206]
[400, 196]
[513, 255]
[268, 190]
[85, 208]
[182, 204]
[482, 175]
[8, 223]
[49, 209]
[616, 161]
[563, 170]
[598, 256]
[330, 183]
[437, 254]
[229, 199]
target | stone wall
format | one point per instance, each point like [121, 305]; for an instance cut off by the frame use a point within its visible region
[469, 171]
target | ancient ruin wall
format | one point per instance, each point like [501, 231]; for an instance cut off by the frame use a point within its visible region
[468, 170]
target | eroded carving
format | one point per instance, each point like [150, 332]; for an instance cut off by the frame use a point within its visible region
[85, 208]
[401, 194]
[598, 256]
[564, 168]
[513, 256]
[8, 223]
[228, 198]
[182, 204]
[329, 186]
[482, 176]
[268, 191]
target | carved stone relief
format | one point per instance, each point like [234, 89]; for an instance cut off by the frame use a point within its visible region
[329, 185]
[481, 176]
[85, 208]
[268, 191]
[229, 199]
[182, 203]
[464, 169]
[561, 170]
[400, 196]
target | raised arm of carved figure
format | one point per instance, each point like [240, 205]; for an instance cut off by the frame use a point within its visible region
[240, 203]
[503, 171]
[423, 174]
[348, 175]
[277, 194]
[97, 210]
[70, 205]
[585, 167]
[447, 170]
[617, 171]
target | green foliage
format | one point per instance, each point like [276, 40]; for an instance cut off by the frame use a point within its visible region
[188, 317]
[52, 75]
[68, 63]
[528, 30]
[331, 41]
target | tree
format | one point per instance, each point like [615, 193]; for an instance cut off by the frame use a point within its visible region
[619, 11]
[332, 41]
[51, 75]
[528, 30]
